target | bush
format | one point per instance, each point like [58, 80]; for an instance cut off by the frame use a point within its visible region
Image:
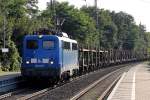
[14, 58]
[10, 61]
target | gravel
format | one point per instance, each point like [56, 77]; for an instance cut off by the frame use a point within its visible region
[68, 90]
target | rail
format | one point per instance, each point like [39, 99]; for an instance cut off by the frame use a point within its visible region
[83, 92]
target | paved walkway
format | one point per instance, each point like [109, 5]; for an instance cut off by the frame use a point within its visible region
[133, 85]
[8, 75]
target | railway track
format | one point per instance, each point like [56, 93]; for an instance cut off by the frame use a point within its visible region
[100, 88]
[28, 92]
[70, 89]
[56, 90]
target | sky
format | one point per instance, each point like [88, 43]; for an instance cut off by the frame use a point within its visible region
[139, 9]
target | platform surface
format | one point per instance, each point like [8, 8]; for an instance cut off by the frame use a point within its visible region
[7, 75]
[133, 85]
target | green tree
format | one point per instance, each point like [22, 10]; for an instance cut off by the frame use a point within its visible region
[106, 29]
[11, 10]
[77, 23]
[124, 23]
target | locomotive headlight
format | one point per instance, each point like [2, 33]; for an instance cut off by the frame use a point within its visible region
[40, 36]
[27, 62]
[51, 62]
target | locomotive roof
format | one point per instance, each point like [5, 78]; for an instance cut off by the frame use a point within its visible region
[54, 36]
[67, 39]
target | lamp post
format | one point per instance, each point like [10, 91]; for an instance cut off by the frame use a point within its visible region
[96, 14]
[4, 35]
[4, 49]
[86, 3]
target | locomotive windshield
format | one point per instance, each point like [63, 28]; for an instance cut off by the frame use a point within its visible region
[32, 44]
[48, 44]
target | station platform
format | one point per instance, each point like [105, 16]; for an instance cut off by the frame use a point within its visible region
[9, 81]
[133, 85]
[8, 75]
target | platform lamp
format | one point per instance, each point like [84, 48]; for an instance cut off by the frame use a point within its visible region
[4, 49]
[86, 3]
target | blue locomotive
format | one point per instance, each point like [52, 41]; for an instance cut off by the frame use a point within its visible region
[49, 56]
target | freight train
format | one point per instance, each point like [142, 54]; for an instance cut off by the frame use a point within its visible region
[59, 57]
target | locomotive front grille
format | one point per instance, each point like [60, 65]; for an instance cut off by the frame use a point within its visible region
[41, 72]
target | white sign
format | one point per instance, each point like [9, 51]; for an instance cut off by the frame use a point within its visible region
[4, 50]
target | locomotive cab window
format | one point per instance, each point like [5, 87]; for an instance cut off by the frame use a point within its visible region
[66, 45]
[48, 44]
[32, 44]
[74, 46]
